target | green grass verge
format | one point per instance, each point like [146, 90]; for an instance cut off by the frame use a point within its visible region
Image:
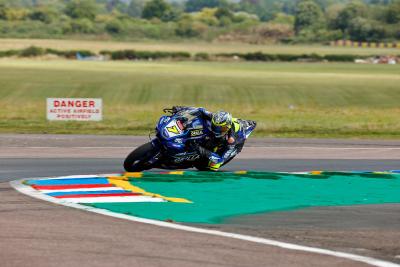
[287, 99]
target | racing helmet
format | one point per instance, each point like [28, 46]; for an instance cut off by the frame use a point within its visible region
[221, 123]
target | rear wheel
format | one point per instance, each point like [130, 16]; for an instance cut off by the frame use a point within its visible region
[138, 159]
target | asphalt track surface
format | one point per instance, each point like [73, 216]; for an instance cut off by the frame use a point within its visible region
[37, 233]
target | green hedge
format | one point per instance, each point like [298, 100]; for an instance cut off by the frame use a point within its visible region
[259, 56]
[70, 53]
[157, 55]
[34, 51]
[144, 55]
[342, 58]
[9, 53]
[202, 56]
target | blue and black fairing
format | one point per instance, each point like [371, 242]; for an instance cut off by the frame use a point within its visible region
[174, 132]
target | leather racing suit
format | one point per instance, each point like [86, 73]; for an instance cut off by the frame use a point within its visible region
[219, 151]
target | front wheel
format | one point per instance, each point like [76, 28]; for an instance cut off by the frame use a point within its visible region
[138, 159]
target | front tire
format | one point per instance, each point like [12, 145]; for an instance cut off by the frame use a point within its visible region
[137, 160]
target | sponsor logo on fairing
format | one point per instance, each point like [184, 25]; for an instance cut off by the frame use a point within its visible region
[191, 157]
[196, 132]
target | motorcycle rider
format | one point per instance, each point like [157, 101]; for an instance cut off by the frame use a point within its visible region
[228, 136]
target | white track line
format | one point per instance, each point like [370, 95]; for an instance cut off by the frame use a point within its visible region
[114, 199]
[27, 190]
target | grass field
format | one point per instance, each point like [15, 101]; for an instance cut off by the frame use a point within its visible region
[7, 44]
[287, 99]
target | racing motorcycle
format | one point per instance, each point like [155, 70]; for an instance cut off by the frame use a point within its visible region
[173, 146]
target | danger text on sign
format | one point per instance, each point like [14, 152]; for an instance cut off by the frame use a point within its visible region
[79, 109]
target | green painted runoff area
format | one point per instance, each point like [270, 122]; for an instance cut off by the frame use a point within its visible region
[218, 196]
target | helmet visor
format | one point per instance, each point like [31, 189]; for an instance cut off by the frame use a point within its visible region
[220, 130]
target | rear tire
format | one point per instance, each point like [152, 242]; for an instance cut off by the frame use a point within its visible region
[137, 159]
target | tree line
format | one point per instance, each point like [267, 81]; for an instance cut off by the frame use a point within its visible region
[253, 21]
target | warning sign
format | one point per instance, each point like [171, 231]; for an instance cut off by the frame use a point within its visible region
[74, 109]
